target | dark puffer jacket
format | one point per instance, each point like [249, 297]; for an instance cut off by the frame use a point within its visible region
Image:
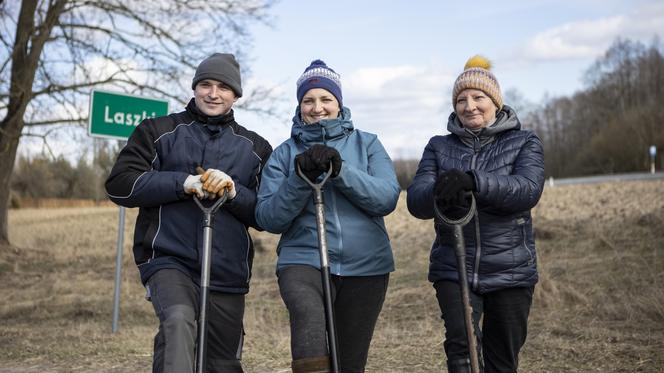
[149, 173]
[508, 167]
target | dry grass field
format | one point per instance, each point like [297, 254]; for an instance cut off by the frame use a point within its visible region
[599, 306]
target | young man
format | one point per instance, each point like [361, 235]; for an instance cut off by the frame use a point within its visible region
[157, 172]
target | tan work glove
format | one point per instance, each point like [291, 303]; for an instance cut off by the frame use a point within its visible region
[215, 181]
[193, 185]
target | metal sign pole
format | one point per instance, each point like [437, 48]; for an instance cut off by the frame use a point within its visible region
[114, 115]
[118, 268]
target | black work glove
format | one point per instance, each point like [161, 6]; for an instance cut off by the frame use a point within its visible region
[316, 160]
[451, 187]
[308, 166]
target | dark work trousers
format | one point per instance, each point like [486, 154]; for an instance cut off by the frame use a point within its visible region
[174, 297]
[504, 325]
[357, 303]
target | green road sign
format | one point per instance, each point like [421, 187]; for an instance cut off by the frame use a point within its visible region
[115, 115]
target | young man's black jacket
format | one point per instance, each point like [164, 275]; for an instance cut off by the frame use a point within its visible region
[150, 172]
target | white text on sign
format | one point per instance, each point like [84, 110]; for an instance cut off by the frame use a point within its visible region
[128, 119]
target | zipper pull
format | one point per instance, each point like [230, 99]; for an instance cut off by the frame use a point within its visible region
[476, 144]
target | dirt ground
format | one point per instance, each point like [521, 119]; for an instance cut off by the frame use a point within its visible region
[599, 306]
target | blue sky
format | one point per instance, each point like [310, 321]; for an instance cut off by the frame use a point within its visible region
[398, 60]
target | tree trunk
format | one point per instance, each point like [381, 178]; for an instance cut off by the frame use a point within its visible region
[11, 128]
[28, 46]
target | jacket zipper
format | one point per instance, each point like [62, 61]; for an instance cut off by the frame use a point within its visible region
[478, 244]
[522, 223]
[337, 222]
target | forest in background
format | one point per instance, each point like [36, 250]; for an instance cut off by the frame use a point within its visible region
[45, 176]
[605, 128]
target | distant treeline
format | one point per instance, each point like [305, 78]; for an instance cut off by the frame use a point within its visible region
[608, 127]
[43, 176]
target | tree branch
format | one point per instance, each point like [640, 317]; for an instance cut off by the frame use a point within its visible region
[57, 121]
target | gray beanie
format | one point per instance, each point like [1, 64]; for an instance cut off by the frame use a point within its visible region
[221, 67]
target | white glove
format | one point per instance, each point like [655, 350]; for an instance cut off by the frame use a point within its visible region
[193, 185]
[214, 181]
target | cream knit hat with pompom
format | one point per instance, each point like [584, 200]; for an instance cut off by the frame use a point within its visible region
[477, 75]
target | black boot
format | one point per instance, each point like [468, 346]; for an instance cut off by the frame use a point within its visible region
[318, 364]
[459, 366]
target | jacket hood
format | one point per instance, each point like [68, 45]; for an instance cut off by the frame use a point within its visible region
[505, 120]
[322, 131]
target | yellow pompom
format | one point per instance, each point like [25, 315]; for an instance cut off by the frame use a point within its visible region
[478, 61]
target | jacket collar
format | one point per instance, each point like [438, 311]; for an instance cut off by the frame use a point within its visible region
[218, 120]
[321, 132]
[505, 120]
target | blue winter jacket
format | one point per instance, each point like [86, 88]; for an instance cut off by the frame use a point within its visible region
[150, 172]
[508, 167]
[365, 190]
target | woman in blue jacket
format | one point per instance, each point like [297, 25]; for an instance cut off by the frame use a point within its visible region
[486, 153]
[362, 189]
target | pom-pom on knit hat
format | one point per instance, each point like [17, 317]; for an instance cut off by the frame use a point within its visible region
[318, 75]
[477, 75]
[221, 67]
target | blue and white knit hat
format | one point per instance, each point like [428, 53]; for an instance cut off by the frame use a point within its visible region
[318, 75]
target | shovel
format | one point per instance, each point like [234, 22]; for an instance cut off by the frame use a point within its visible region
[208, 215]
[460, 251]
[324, 264]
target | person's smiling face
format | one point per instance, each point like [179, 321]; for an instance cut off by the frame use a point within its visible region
[318, 104]
[213, 98]
[475, 109]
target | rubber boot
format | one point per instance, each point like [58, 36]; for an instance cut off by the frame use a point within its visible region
[318, 364]
[459, 366]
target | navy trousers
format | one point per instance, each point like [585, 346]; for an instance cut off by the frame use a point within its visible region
[504, 316]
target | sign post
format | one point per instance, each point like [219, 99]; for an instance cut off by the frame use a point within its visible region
[114, 116]
[653, 153]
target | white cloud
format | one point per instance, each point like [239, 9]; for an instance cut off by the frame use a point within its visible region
[405, 105]
[590, 38]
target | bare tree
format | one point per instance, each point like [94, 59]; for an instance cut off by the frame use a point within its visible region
[53, 52]
[607, 127]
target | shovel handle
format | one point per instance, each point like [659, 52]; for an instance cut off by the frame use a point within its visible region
[311, 183]
[210, 209]
[460, 253]
[324, 265]
[461, 221]
[208, 214]
[215, 206]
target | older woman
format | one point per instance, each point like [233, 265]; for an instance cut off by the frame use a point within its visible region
[486, 153]
[362, 190]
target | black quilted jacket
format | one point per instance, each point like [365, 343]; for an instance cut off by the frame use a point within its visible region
[508, 166]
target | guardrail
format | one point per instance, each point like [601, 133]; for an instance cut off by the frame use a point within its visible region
[551, 182]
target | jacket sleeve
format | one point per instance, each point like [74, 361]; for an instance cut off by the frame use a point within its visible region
[282, 195]
[375, 190]
[420, 192]
[135, 180]
[519, 191]
[244, 203]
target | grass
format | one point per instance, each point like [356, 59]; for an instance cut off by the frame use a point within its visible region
[599, 306]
